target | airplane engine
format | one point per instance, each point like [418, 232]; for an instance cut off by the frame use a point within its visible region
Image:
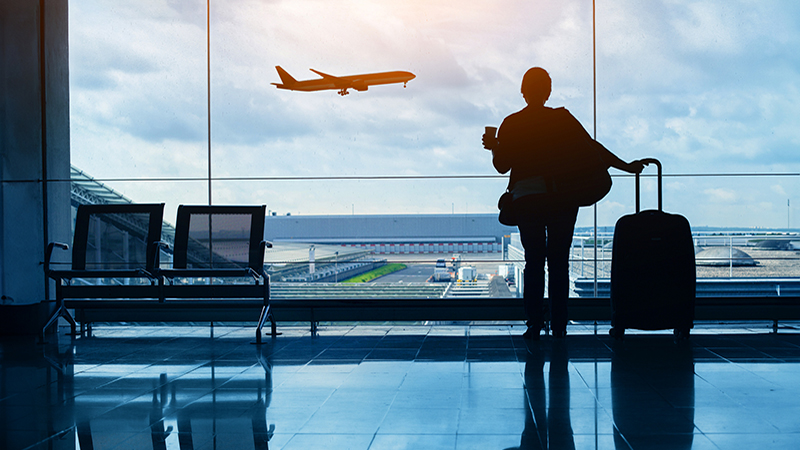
[360, 85]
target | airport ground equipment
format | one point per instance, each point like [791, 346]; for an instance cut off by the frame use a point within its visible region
[467, 274]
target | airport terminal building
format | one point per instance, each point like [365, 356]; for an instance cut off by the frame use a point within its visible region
[394, 234]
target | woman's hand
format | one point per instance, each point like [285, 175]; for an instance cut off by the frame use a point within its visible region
[635, 166]
[490, 142]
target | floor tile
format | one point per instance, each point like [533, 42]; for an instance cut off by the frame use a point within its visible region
[772, 441]
[420, 421]
[414, 442]
[329, 441]
[487, 441]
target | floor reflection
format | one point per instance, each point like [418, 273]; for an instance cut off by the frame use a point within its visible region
[547, 419]
[109, 413]
[652, 391]
[375, 388]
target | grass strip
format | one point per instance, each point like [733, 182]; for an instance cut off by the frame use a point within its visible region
[376, 273]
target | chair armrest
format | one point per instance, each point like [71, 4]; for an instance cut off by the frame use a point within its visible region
[147, 274]
[49, 252]
[256, 276]
[159, 245]
[261, 274]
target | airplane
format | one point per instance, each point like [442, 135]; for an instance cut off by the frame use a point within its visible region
[357, 82]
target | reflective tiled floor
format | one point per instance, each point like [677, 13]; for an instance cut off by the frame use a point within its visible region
[394, 387]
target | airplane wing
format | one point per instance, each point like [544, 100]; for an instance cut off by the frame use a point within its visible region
[337, 81]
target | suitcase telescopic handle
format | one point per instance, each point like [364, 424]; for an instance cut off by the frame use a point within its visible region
[648, 161]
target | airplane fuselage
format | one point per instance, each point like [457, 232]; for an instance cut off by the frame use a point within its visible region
[343, 83]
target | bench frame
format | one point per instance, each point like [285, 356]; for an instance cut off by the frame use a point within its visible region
[218, 297]
[151, 234]
[314, 310]
[162, 299]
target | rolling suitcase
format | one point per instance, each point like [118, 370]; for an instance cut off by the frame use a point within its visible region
[652, 270]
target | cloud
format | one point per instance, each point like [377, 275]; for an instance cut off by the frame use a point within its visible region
[721, 195]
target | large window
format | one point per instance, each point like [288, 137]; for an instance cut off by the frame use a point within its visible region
[709, 88]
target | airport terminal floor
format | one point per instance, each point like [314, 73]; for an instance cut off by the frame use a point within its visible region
[368, 386]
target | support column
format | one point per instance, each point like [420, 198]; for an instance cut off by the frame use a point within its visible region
[34, 149]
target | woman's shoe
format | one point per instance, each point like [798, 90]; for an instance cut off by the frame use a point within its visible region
[561, 334]
[531, 333]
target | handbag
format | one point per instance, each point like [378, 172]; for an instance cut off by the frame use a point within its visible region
[585, 184]
[507, 214]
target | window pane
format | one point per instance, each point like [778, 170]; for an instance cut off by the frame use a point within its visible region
[709, 89]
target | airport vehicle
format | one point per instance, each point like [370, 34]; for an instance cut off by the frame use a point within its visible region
[506, 271]
[341, 83]
[467, 273]
[456, 261]
[440, 272]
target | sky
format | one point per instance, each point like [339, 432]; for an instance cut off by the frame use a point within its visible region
[708, 87]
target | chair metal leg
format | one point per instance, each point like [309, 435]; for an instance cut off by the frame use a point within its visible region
[263, 318]
[72, 324]
[61, 311]
[50, 321]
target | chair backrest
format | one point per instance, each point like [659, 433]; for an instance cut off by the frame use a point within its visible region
[217, 237]
[116, 237]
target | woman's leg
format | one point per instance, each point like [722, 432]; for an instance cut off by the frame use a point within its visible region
[560, 227]
[534, 241]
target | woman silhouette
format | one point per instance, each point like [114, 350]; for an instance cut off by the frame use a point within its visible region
[534, 144]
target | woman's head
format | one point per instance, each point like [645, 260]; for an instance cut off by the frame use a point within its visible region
[536, 86]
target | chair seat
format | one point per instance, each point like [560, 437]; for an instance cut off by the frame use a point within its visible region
[208, 273]
[122, 273]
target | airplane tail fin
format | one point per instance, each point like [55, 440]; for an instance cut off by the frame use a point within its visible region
[286, 79]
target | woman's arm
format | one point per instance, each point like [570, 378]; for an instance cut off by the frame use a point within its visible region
[499, 160]
[605, 154]
[613, 160]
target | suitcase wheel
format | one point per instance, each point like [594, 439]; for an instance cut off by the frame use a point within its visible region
[617, 333]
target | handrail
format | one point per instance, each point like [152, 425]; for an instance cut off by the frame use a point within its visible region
[386, 177]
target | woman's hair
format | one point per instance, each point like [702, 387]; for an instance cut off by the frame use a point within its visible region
[536, 84]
